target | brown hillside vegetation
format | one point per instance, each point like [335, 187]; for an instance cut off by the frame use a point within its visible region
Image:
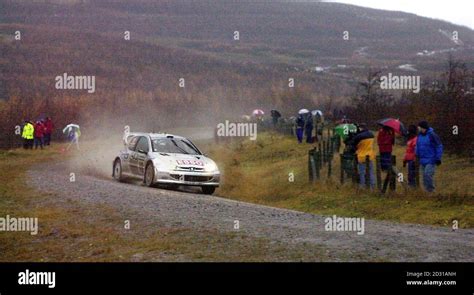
[137, 80]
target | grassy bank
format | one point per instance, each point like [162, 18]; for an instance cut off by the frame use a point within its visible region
[75, 231]
[258, 171]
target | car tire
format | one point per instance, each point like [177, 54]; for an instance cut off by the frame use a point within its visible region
[117, 172]
[149, 175]
[208, 190]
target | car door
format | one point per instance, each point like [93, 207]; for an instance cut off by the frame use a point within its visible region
[128, 156]
[141, 155]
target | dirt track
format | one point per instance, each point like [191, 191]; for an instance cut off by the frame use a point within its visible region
[382, 241]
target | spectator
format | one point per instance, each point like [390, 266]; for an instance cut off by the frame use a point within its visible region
[48, 124]
[363, 143]
[73, 132]
[300, 123]
[309, 128]
[429, 151]
[38, 134]
[28, 134]
[385, 141]
[275, 116]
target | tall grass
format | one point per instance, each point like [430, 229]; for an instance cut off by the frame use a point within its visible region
[259, 172]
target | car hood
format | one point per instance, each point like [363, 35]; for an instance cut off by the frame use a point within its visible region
[182, 159]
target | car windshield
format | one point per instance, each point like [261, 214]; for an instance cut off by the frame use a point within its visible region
[174, 145]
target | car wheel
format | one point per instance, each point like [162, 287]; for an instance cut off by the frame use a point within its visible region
[149, 175]
[118, 170]
[208, 190]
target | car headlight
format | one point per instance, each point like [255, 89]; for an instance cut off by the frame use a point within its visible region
[211, 167]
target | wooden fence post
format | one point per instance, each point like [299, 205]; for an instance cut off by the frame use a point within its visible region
[342, 168]
[329, 169]
[378, 172]
[367, 171]
[355, 174]
[311, 165]
[320, 158]
[417, 172]
[328, 152]
[393, 180]
[318, 164]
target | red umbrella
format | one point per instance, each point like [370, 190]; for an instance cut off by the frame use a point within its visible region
[395, 124]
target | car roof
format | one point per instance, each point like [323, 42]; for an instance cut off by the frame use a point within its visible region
[155, 135]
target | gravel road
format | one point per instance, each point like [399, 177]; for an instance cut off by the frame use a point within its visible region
[382, 241]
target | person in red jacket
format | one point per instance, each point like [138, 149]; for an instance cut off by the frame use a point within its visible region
[385, 141]
[410, 155]
[48, 124]
[39, 134]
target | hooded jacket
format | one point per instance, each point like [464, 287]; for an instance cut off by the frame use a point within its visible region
[39, 130]
[28, 131]
[364, 143]
[410, 152]
[429, 148]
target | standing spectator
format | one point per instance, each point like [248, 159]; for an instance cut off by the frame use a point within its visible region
[39, 133]
[410, 156]
[309, 128]
[275, 116]
[300, 123]
[73, 132]
[429, 150]
[28, 134]
[48, 124]
[363, 143]
[385, 141]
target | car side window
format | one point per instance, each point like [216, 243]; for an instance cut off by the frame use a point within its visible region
[132, 143]
[142, 144]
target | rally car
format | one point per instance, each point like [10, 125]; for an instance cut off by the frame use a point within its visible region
[166, 159]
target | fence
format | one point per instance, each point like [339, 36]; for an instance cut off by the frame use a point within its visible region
[322, 155]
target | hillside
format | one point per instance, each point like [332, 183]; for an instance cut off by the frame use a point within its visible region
[194, 40]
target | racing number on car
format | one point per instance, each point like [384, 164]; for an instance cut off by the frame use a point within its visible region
[181, 177]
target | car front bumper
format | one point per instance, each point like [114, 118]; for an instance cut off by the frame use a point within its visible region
[188, 178]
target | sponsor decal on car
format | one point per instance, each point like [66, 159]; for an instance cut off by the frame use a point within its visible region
[190, 162]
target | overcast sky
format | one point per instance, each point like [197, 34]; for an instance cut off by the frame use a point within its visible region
[460, 12]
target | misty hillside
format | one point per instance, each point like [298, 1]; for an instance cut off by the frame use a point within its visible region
[194, 40]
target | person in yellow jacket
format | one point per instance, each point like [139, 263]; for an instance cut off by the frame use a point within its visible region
[28, 135]
[364, 144]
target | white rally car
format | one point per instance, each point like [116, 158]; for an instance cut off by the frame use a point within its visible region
[160, 158]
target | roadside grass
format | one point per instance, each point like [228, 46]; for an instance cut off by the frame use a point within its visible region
[258, 172]
[74, 231]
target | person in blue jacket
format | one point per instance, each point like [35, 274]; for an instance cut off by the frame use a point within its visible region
[429, 151]
[300, 123]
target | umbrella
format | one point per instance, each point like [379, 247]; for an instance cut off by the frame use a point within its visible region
[258, 112]
[303, 111]
[70, 127]
[317, 112]
[343, 130]
[275, 113]
[395, 124]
